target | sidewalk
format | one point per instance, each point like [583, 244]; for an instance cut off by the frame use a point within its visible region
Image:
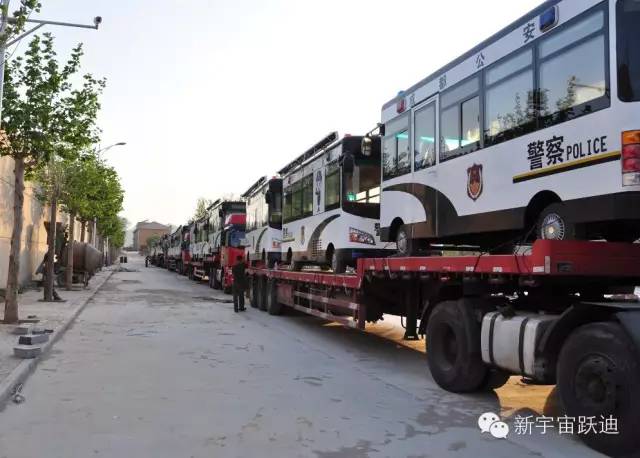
[52, 315]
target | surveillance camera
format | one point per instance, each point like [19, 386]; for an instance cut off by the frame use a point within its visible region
[97, 21]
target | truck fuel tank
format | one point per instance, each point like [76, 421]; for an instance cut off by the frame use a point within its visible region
[510, 342]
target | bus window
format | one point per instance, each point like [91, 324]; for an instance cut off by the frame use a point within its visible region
[628, 17]
[307, 195]
[572, 67]
[275, 211]
[424, 137]
[460, 119]
[509, 98]
[470, 122]
[402, 147]
[332, 187]
[363, 185]
[296, 200]
[389, 160]
[395, 155]
[287, 205]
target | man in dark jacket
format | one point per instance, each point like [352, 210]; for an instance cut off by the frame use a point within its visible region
[239, 284]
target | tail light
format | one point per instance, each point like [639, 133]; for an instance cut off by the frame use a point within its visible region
[631, 158]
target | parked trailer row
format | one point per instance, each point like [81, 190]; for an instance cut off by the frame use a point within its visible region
[546, 315]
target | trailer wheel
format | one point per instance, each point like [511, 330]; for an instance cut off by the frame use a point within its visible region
[337, 262]
[253, 297]
[273, 306]
[262, 294]
[453, 347]
[599, 375]
[553, 224]
[404, 243]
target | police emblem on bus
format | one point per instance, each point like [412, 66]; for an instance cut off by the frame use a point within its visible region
[474, 181]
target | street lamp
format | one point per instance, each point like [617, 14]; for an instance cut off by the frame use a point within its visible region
[110, 146]
[4, 10]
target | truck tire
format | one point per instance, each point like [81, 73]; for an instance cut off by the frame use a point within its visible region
[598, 373]
[262, 294]
[404, 242]
[337, 262]
[215, 282]
[453, 347]
[273, 306]
[225, 288]
[253, 292]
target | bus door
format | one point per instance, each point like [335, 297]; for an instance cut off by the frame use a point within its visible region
[424, 124]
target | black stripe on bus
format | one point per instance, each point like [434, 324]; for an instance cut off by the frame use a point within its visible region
[565, 168]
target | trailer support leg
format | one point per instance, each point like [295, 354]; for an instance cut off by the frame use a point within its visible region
[411, 307]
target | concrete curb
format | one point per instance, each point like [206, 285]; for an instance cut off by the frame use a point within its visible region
[27, 366]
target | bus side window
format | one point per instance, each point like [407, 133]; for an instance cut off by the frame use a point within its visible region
[573, 76]
[460, 119]
[396, 159]
[510, 102]
[307, 195]
[286, 204]
[424, 137]
[332, 187]
[296, 200]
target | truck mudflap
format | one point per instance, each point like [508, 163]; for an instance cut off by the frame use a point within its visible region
[630, 321]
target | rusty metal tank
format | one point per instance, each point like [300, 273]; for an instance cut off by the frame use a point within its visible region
[86, 258]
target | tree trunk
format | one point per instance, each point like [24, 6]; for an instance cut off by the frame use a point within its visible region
[11, 298]
[51, 252]
[83, 228]
[69, 272]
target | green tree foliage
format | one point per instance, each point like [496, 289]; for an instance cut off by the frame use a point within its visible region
[46, 120]
[152, 240]
[201, 208]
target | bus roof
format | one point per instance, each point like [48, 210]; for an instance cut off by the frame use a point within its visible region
[505, 31]
[254, 187]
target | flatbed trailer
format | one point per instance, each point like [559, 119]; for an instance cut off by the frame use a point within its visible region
[559, 312]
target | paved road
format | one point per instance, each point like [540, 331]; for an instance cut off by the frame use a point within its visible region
[158, 366]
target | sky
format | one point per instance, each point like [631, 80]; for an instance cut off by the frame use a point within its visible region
[210, 95]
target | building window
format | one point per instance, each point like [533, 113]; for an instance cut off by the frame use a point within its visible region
[572, 71]
[460, 119]
[509, 98]
[395, 155]
[424, 137]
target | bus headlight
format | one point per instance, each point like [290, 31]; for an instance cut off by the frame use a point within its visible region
[358, 236]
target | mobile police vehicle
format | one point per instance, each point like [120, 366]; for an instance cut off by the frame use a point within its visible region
[535, 133]
[264, 221]
[332, 203]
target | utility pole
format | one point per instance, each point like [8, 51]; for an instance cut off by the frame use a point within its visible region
[5, 43]
[3, 48]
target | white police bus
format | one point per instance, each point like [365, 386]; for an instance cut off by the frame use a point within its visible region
[332, 203]
[534, 133]
[264, 221]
